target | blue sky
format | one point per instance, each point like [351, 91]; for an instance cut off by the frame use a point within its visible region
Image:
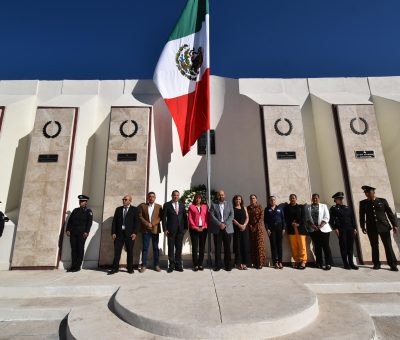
[121, 39]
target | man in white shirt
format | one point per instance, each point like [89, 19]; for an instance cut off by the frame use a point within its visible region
[174, 223]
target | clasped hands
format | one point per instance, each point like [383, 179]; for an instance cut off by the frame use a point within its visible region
[133, 237]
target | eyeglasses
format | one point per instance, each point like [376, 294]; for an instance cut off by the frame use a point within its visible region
[124, 199]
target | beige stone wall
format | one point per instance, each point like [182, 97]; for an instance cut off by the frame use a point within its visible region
[124, 177]
[289, 175]
[371, 172]
[40, 218]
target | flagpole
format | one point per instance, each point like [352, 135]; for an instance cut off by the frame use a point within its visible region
[208, 155]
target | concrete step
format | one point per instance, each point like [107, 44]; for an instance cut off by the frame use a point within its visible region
[97, 321]
[54, 308]
[338, 320]
[30, 330]
[213, 306]
[32, 292]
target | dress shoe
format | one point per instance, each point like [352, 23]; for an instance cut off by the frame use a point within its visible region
[228, 269]
[376, 267]
[170, 270]
[302, 266]
[130, 271]
[112, 272]
[70, 270]
[75, 270]
[346, 266]
[217, 269]
[142, 269]
[201, 268]
[195, 269]
[179, 269]
[157, 268]
[328, 267]
[353, 266]
[394, 269]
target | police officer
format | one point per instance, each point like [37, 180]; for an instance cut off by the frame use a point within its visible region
[78, 228]
[343, 222]
[3, 219]
[375, 214]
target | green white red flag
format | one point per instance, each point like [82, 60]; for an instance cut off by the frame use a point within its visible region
[182, 74]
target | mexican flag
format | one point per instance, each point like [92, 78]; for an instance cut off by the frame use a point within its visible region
[182, 74]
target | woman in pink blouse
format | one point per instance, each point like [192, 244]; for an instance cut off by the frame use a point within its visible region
[198, 222]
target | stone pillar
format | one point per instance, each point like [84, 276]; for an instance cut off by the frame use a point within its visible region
[127, 162]
[360, 134]
[44, 194]
[286, 158]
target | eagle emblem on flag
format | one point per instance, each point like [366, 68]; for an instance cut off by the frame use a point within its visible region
[189, 61]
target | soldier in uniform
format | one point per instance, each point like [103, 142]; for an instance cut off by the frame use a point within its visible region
[343, 222]
[78, 228]
[375, 214]
[3, 219]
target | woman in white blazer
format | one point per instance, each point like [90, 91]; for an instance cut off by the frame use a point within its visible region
[317, 217]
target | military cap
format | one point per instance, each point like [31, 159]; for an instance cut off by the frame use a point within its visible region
[338, 195]
[83, 197]
[367, 188]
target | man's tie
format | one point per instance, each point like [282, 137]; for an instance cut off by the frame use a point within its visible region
[124, 215]
[177, 208]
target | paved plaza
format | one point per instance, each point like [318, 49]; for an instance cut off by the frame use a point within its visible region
[252, 304]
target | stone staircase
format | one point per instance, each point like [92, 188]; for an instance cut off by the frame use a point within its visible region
[205, 305]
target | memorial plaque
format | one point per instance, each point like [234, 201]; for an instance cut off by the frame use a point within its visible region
[41, 214]
[286, 155]
[127, 157]
[48, 159]
[364, 154]
[202, 143]
[127, 160]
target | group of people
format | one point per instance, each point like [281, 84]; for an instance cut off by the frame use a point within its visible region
[226, 220]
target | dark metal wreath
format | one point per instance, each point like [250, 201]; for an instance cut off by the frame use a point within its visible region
[135, 130]
[59, 128]
[363, 132]
[279, 132]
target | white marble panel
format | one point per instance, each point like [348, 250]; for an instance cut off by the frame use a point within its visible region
[286, 176]
[124, 177]
[41, 214]
[372, 171]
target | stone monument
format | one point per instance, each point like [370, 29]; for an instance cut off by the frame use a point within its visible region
[41, 216]
[127, 167]
[365, 161]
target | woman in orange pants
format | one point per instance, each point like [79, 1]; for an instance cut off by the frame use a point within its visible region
[296, 229]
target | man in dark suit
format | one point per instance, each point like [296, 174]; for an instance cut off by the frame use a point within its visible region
[124, 227]
[221, 216]
[375, 214]
[78, 228]
[3, 219]
[150, 215]
[174, 222]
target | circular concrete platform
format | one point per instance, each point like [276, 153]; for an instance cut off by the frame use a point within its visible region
[213, 305]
